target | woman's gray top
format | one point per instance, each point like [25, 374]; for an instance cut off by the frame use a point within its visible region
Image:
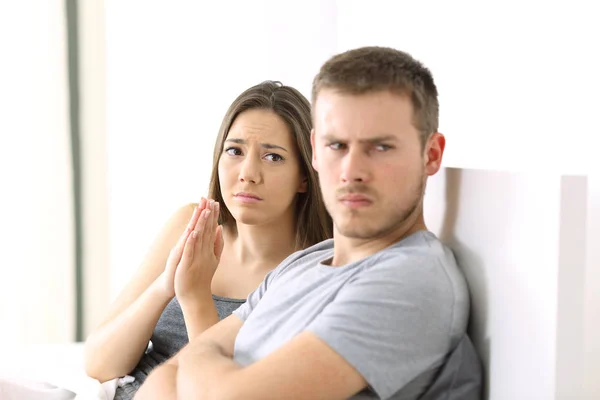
[169, 336]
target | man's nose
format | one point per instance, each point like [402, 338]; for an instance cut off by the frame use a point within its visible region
[355, 166]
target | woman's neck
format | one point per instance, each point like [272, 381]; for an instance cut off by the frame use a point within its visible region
[259, 245]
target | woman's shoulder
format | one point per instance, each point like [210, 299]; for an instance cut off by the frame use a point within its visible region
[181, 216]
[186, 210]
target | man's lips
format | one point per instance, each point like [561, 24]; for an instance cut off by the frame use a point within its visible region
[355, 200]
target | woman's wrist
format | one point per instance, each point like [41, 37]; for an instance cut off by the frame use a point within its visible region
[196, 302]
[199, 312]
[158, 289]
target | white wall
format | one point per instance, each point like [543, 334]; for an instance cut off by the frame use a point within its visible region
[518, 86]
[517, 79]
[36, 231]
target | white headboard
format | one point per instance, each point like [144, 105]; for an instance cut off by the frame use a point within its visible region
[520, 239]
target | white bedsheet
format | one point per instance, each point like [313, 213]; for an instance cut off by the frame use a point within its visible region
[49, 372]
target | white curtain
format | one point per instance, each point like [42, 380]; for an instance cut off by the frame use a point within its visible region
[37, 290]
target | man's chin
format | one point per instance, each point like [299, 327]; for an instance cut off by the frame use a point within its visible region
[355, 231]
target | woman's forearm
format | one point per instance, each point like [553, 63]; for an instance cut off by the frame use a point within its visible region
[199, 314]
[115, 348]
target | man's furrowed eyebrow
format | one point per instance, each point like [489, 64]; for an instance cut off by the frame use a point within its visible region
[375, 139]
[328, 137]
[379, 139]
[268, 146]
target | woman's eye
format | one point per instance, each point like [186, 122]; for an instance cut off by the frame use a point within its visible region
[274, 157]
[233, 151]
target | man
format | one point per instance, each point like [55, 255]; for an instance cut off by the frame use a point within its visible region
[378, 311]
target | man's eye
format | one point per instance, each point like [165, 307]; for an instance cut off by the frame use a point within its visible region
[274, 157]
[233, 151]
[383, 147]
[337, 146]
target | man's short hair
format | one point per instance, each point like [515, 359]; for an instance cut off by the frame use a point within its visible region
[371, 69]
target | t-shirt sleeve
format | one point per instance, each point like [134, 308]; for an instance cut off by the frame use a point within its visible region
[391, 323]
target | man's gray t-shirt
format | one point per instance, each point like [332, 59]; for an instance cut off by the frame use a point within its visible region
[394, 316]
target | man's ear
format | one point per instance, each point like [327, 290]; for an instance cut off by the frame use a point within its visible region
[314, 152]
[434, 152]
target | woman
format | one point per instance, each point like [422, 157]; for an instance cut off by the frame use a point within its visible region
[267, 204]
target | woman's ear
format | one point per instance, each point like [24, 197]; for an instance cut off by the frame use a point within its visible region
[303, 188]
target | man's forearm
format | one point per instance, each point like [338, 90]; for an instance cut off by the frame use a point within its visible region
[205, 371]
[160, 384]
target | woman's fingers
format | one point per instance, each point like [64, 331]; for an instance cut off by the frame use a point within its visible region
[187, 254]
[201, 225]
[211, 227]
[176, 251]
[195, 215]
[192, 223]
[207, 207]
[190, 226]
[206, 228]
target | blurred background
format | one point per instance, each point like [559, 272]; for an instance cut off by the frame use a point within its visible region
[109, 111]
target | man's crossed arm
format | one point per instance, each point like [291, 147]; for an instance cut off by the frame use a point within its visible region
[305, 367]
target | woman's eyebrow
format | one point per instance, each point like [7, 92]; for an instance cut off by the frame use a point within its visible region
[268, 146]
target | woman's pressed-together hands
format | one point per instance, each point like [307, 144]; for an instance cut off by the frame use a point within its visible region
[194, 259]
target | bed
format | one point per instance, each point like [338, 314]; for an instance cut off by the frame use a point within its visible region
[49, 372]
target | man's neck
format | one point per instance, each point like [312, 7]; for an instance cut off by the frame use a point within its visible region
[347, 250]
